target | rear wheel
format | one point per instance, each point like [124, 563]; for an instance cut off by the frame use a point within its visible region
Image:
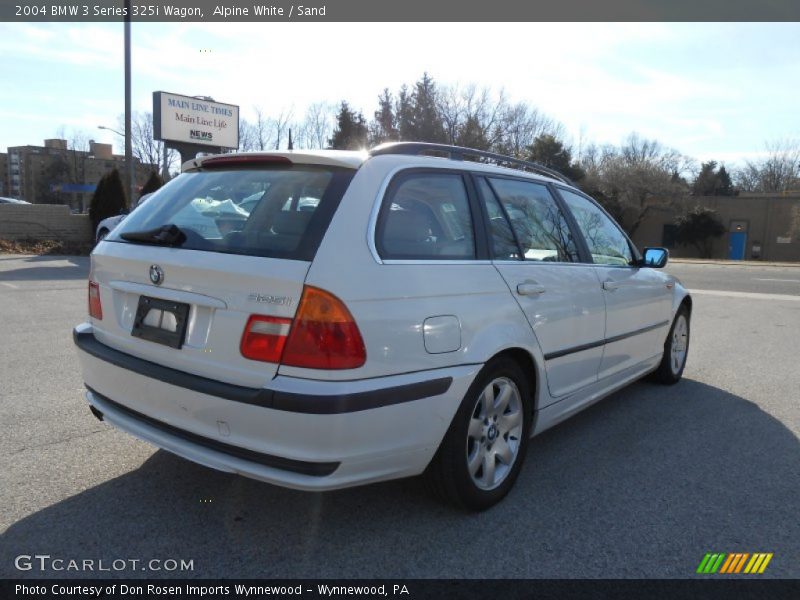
[482, 452]
[676, 348]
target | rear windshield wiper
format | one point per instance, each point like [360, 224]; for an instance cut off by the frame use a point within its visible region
[166, 235]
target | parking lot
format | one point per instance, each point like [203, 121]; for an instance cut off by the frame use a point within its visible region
[642, 484]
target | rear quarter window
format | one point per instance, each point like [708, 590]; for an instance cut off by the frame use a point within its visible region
[426, 216]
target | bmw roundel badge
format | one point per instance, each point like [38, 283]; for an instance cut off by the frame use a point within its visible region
[156, 274]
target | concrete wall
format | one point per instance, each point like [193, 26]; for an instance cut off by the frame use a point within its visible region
[772, 222]
[43, 222]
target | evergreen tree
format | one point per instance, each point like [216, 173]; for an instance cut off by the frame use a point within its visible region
[724, 183]
[549, 151]
[153, 183]
[405, 120]
[351, 130]
[472, 135]
[426, 122]
[108, 199]
[706, 180]
[711, 182]
[417, 113]
[384, 127]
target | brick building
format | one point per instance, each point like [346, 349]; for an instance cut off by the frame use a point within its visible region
[35, 173]
[758, 226]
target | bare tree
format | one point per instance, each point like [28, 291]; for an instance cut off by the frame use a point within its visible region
[317, 127]
[247, 136]
[626, 178]
[145, 147]
[473, 116]
[452, 110]
[521, 125]
[281, 125]
[779, 171]
[265, 133]
[262, 131]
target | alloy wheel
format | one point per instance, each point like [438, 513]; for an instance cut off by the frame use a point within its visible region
[494, 433]
[680, 343]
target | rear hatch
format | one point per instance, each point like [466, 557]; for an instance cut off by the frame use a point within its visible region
[182, 275]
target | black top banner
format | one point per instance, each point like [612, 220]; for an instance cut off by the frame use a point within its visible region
[400, 11]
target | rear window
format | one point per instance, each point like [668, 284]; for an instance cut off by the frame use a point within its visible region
[280, 212]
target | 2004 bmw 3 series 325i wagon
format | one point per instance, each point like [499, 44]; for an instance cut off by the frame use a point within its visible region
[323, 319]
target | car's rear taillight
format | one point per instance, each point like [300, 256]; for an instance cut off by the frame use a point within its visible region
[264, 338]
[95, 307]
[324, 334]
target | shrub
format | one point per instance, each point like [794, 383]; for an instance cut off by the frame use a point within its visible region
[153, 183]
[109, 198]
[697, 227]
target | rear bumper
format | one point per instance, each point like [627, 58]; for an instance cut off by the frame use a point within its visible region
[304, 434]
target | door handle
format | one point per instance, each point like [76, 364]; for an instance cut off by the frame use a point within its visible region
[530, 289]
[610, 286]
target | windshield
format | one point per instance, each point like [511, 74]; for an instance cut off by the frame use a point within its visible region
[275, 211]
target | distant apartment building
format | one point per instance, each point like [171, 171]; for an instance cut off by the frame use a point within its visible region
[56, 174]
[4, 175]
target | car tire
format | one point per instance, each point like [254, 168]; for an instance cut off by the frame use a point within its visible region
[101, 235]
[482, 452]
[676, 349]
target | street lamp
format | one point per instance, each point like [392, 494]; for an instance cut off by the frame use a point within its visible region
[122, 135]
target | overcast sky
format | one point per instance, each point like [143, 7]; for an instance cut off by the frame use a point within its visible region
[712, 91]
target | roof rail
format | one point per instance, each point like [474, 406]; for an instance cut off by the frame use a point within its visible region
[461, 153]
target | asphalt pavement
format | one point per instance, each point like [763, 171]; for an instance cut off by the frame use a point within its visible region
[642, 484]
[762, 279]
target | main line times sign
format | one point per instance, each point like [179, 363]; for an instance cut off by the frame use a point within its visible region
[189, 120]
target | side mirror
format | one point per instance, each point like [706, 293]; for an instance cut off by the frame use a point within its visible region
[655, 258]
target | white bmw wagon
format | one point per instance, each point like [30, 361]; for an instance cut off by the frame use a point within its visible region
[323, 319]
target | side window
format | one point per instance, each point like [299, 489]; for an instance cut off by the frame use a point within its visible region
[607, 244]
[426, 216]
[540, 229]
[504, 244]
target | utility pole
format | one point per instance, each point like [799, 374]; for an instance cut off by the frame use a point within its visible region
[164, 165]
[128, 140]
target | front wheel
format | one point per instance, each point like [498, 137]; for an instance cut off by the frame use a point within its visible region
[482, 453]
[676, 348]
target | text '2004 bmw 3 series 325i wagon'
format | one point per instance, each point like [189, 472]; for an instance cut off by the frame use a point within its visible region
[323, 319]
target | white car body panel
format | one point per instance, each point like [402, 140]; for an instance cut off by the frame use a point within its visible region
[386, 438]
[218, 291]
[636, 299]
[568, 312]
[553, 414]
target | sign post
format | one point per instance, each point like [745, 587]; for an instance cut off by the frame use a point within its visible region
[190, 125]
